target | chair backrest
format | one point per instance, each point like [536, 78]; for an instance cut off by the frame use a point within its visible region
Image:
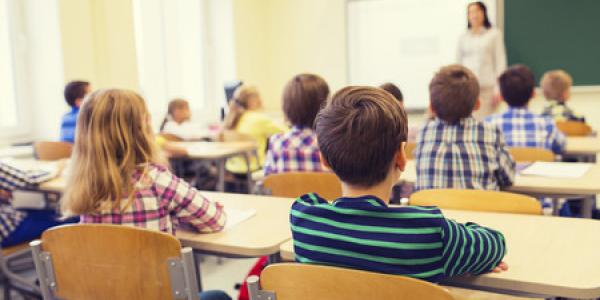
[477, 200]
[294, 184]
[291, 281]
[410, 150]
[574, 128]
[525, 154]
[169, 137]
[99, 261]
[52, 150]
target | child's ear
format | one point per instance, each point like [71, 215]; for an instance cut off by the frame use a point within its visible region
[432, 111]
[324, 162]
[532, 94]
[477, 104]
[401, 157]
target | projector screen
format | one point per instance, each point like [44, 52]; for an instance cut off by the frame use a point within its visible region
[405, 42]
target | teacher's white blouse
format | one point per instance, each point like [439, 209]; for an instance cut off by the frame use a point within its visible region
[484, 54]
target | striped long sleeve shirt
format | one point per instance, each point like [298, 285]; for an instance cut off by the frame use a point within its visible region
[364, 233]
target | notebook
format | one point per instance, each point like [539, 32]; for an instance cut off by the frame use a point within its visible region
[557, 169]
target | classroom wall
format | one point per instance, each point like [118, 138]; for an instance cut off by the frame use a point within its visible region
[98, 42]
[277, 39]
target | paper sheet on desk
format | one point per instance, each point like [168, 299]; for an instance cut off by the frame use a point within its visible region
[557, 169]
[236, 216]
[51, 167]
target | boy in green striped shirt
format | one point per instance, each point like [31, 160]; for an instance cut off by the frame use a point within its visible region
[361, 135]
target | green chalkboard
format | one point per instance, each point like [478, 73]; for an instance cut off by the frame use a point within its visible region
[555, 34]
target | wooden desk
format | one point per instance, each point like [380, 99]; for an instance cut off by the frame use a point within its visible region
[260, 235]
[547, 256]
[220, 152]
[583, 147]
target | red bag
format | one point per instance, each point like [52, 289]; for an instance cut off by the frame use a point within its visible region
[260, 264]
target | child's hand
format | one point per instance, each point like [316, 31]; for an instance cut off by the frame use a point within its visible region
[501, 267]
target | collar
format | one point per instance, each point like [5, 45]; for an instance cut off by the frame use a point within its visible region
[367, 199]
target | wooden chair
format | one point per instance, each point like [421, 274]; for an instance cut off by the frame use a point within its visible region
[410, 150]
[573, 128]
[294, 184]
[477, 200]
[291, 281]
[52, 150]
[102, 261]
[527, 155]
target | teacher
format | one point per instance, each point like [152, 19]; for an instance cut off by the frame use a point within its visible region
[481, 49]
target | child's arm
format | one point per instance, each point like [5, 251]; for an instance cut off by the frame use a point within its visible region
[557, 139]
[188, 205]
[506, 165]
[12, 178]
[470, 248]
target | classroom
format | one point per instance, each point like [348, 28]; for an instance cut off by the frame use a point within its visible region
[299, 149]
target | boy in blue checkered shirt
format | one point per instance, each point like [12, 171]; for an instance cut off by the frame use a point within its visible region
[453, 149]
[521, 127]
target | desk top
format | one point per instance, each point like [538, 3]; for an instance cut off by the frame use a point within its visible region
[215, 150]
[589, 184]
[583, 145]
[260, 235]
[546, 255]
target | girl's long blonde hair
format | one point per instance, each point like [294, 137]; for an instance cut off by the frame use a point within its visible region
[239, 105]
[113, 140]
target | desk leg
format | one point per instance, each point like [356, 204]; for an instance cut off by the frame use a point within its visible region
[588, 205]
[248, 172]
[221, 181]
[274, 258]
[197, 259]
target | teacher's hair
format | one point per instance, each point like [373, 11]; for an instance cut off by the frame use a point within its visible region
[486, 20]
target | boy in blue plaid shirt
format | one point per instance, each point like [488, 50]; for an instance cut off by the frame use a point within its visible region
[454, 150]
[521, 127]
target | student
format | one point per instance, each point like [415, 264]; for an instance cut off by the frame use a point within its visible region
[362, 134]
[20, 226]
[556, 86]
[454, 150]
[75, 91]
[118, 178]
[245, 118]
[521, 127]
[297, 150]
[178, 114]
[394, 90]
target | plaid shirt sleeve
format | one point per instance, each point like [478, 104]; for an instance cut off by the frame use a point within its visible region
[188, 205]
[270, 160]
[506, 165]
[556, 139]
[12, 178]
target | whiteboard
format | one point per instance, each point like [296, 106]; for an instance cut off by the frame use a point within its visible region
[405, 42]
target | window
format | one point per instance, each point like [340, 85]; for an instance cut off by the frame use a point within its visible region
[184, 49]
[8, 103]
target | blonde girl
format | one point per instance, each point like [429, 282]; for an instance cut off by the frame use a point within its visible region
[117, 176]
[245, 118]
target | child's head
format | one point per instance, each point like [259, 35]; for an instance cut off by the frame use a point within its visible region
[114, 139]
[454, 93]
[245, 98]
[517, 85]
[303, 97]
[178, 111]
[394, 90]
[75, 91]
[361, 133]
[556, 85]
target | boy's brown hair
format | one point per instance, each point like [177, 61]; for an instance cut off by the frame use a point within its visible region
[359, 133]
[554, 84]
[453, 90]
[516, 85]
[394, 90]
[303, 97]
